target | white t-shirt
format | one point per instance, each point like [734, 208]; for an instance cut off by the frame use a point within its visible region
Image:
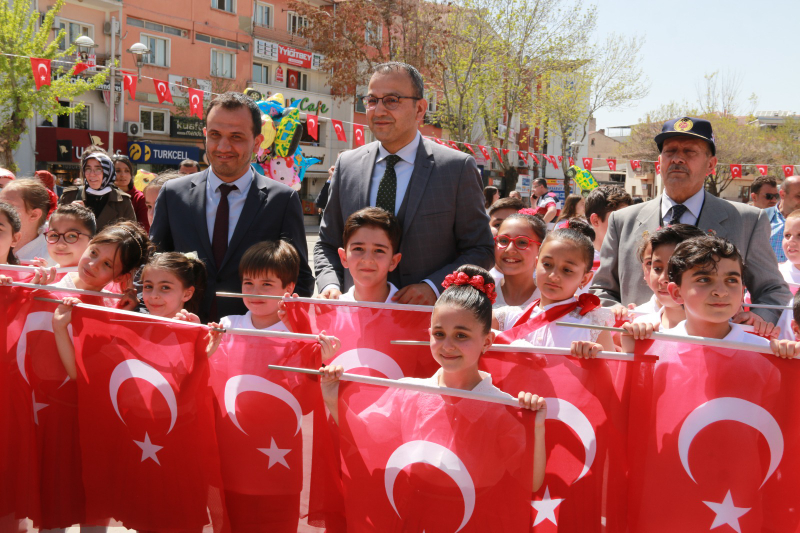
[67, 282]
[485, 386]
[349, 296]
[497, 275]
[649, 318]
[649, 307]
[738, 333]
[553, 335]
[501, 301]
[246, 322]
[36, 248]
[790, 273]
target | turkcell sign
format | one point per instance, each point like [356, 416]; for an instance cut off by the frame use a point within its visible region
[161, 154]
[293, 56]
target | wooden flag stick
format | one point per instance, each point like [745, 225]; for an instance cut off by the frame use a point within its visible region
[444, 391]
[688, 339]
[549, 350]
[56, 288]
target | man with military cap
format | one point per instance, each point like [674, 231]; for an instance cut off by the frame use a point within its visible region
[688, 155]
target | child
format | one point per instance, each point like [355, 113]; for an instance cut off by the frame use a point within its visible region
[705, 276]
[515, 253]
[600, 203]
[173, 285]
[152, 189]
[500, 210]
[71, 228]
[564, 267]
[791, 247]
[10, 227]
[460, 334]
[267, 268]
[371, 241]
[29, 197]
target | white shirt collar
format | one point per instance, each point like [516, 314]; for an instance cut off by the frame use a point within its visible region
[242, 184]
[408, 153]
[694, 203]
[554, 304]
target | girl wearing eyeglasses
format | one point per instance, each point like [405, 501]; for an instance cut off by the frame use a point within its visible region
[515, 252]
[70, 229]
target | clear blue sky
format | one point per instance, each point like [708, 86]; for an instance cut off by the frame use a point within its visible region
[686, 39]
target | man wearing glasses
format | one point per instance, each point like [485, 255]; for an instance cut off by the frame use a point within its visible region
[789, 201]
[435, 192]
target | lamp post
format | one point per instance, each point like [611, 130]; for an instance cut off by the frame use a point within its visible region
[85, 46]
[138, 51]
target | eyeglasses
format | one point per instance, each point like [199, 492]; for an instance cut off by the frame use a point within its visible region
[89, 170]
[390, 102]
[70, 237]
[520, 243]
[771, 196]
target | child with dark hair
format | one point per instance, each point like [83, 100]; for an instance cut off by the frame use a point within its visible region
[600, 203]
[9, 233]
[29, 197]
[460, 333]
[173, 284]
[501, 209]
[70, 229]
[515, 253]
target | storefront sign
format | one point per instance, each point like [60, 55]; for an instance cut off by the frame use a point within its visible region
[67, 144]
[307, 104]
[161, 154]
[287, 55]
[524, 185]
[185, 128]
[178, 84]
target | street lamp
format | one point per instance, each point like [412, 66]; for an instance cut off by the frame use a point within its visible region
[85, 46]
[138, 51]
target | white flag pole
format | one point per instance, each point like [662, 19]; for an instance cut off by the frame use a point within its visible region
[56, 288]
[547, 350]
[321, 301]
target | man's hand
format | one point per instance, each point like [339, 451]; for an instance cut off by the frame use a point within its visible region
[417, 294]
[331, 293]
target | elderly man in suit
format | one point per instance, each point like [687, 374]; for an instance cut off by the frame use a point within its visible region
[222, 211]
[435, 192]
[688, 155]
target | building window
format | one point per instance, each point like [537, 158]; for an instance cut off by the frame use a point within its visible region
[73, 31]
[223, 64]
[154, 120]
[260, 73]
[263, 15]
[159, 50]
[224, 5]
[373, 34]
[80, 120]
[295, 23]
[430, 96]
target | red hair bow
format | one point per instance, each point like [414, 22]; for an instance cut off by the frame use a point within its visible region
[462, 278]
[528, 211]
[588, 302]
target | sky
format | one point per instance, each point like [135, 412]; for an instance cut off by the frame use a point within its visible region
[686, 39]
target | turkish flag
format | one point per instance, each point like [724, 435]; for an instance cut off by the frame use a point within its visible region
[552, 160]
[587, 163]
[585, 484]
[535, 159]
[469, 147]
[612, 163]
[358, 134]
[196, 103]
[339, 129]
[505, 151]
[571, 161]
[454, 145]
[788, 170]
[78, 68]
[712, 435]
[424, 462]
[485, 152]
[41, 72]
[522, 156]
[736, 171]
[762, 169]
[162, 91]
[498, 154]
[560, 158]
[292, 79]
[312, 126]
[658, 167]
[437, 140]
[147, 438]
[636, 164]
[262, 421]
[129, 82]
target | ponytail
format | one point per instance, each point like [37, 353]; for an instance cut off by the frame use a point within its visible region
[472, 288]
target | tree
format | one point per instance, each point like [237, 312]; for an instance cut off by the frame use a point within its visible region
[20, 39]
[786, 139]
[607, 76]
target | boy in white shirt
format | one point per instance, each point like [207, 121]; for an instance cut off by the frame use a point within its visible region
[371, 241]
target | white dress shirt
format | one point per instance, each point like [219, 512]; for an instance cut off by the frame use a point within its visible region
[236, 199]
[693, 205]
[246, 322]
[36, 248]
[402, 169]
[350, 296]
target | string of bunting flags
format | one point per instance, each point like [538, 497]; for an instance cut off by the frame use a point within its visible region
[42, 76]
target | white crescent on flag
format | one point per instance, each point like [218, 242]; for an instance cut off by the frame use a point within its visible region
[566, 412]
[369, 358]
[436, 455]
[37, 321]
[42, 66]
[162, 88]
[133, 368]
[251, 383]
[197, 102]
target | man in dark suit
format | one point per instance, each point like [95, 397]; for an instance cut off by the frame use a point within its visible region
[435, 192]
[222, 211]
[688, 155]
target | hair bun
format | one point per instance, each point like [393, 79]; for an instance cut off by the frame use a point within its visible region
[477, 281]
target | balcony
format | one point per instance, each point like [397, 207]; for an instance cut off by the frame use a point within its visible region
[281, 36]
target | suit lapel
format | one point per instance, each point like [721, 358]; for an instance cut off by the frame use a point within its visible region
[423, 165]
[256, 199]
[713, 215]
[197, 203]
[649, 217]
[364, 179]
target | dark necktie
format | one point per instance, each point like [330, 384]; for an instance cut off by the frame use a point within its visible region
[219, 242]
[387, 190]
[677, 212]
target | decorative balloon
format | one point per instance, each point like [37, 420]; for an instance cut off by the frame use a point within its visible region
[277, 156]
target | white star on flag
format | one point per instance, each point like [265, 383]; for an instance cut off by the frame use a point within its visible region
[275, 454]
[546, 508]
[727, 513]
[149, 449]
[36, 408]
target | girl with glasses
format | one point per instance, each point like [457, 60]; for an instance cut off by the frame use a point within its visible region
[515, 252]
[70, 229]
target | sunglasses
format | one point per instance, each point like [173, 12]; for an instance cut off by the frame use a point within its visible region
[520, 243]
[771, 196]
[70, 237]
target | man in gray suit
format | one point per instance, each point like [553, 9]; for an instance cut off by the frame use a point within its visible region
[688, 155]
[435, 192]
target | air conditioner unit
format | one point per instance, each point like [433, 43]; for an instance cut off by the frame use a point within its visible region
[521, 163]
[107, 28]
[134, 129]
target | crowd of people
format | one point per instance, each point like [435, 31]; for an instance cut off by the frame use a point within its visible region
[407, 221]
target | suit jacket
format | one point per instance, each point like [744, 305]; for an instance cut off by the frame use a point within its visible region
[444, 222]
[119, 205]
[620, 278]
[271, 211]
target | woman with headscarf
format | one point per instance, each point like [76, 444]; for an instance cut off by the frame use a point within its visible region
[99, 193]
[125, 172]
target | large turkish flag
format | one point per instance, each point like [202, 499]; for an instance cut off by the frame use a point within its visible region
[259, 419]
[425, 462]
[146, 421]
[713, 436]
